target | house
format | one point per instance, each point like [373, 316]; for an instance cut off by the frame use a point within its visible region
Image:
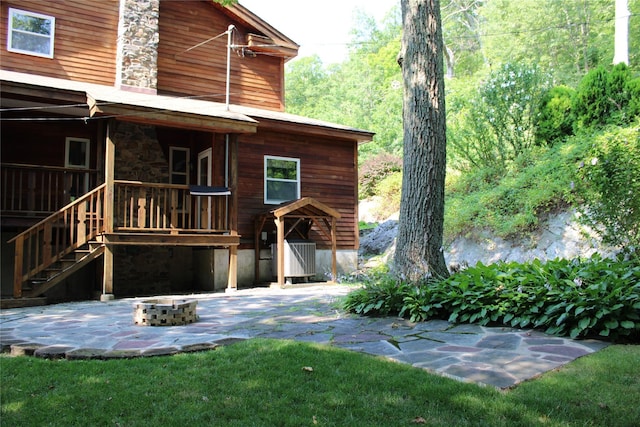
[145, 150]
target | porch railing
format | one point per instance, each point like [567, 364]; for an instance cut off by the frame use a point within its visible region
[58, 235]
[138, 207]
[38, 190]
[150, 207]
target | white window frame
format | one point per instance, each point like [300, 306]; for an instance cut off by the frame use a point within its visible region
[81, 181]
[86, 142]
[173, 173]
[269, 201]
[11, 31]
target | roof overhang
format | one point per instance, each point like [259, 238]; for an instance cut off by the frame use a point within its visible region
[167, 111]
[109, 102]
[264, 37]
[285, 122]
[307, 207]
[92, 101]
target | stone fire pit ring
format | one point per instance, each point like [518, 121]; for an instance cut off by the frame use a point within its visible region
[164, 312]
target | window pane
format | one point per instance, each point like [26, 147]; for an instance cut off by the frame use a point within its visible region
[78, 153]
[281, 191]
[179, 179]
[31, 24]
[179, 161]
[31, 43]
[281, 169]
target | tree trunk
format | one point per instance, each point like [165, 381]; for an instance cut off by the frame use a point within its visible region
[621, 48]
[419, 252]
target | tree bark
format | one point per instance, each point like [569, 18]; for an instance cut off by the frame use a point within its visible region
[419, 252]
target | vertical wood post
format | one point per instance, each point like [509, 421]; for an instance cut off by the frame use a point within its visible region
[334, 249]
[232, 278]
[232, 283]
[17, 269]
[280, 239]
[107, 274]
[109, 177]
[233, 183]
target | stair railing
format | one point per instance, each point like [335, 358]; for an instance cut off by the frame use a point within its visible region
[58, 235]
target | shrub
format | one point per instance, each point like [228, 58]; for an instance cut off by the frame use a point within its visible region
[576, 298]
[609, 185]
[553, 120]
[510, 96]
[374, 170]
[383, 295]
[591, 103]
[633, 88]
[606, 96]
[389, 189]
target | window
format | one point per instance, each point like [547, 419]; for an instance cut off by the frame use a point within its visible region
[281, 179]
[30, 33]
[76, 157]
[179, 165]
[77, 150]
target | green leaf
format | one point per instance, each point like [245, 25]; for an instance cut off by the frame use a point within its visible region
[627, 324]
[611, 324]
[584, 323]
[561, 319]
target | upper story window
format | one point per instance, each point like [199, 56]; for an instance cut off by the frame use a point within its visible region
[281, 179]
[30, 33]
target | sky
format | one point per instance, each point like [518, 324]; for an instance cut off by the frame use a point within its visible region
[320, 27]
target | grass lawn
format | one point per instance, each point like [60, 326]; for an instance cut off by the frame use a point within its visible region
[285, 383]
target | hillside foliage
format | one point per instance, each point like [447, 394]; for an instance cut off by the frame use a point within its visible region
[531, 96]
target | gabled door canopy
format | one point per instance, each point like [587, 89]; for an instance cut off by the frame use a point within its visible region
[306, 210]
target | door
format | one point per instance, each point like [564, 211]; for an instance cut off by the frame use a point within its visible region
[204, 178]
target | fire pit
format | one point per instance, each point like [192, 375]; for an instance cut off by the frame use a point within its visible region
[164, 312]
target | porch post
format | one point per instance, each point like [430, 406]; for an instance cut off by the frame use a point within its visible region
[109, 170]
[334, 249]
[232, 281]
[280, 239]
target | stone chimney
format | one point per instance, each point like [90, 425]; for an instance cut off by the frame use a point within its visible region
[138, 38]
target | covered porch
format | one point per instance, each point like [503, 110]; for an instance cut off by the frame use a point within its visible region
[65, 217]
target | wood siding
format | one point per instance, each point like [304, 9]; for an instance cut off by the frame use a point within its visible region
[44, 144]
[255, 81]
[84, 44]
[328, 174]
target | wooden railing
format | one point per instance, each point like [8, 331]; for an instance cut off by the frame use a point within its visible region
[149, 207]
[138, 207]
[56, 236]
[38, 190]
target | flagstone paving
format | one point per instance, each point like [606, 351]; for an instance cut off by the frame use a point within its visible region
[500, 357]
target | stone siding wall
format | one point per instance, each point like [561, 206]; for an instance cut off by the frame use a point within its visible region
[139, 156]
[138, 44]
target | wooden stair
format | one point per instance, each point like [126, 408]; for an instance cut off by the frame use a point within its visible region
[62, 269]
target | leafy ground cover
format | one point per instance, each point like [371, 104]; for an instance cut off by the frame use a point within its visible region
[578, 298]
[285, 383]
